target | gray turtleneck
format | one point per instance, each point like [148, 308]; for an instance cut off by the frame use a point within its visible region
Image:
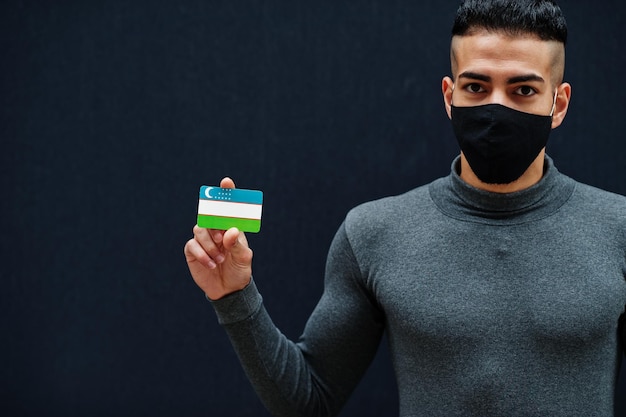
[494, 305]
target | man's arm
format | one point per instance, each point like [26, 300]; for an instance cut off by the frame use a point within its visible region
[315, 376]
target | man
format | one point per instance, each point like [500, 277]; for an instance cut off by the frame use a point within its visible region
[500, 286]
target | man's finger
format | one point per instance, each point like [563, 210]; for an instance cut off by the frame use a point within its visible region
[227, 183]
[217, 235]
[195, 252]
[204, 237]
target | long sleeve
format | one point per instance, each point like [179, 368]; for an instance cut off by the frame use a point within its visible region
[314, 376]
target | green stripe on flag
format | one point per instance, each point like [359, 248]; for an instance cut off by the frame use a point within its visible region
[225, 223]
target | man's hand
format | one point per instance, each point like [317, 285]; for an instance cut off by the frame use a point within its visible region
[220, 261]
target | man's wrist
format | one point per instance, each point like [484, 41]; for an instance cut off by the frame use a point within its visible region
[239, 305]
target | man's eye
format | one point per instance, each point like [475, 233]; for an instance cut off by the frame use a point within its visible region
[474, 88]
[526, 91]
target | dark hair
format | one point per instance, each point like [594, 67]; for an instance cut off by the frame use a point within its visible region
[538, 17]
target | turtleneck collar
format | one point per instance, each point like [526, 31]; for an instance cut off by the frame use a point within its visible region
[457, 199]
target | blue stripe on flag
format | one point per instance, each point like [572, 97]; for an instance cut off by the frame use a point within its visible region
[233, 195]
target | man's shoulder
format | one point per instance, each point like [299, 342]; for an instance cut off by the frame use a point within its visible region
[387, 211]
[596, 202]
[597, 196]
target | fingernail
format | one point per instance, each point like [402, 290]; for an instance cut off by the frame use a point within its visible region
[219, 258]
[211, 265]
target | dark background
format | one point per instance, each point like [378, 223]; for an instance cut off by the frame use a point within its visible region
[113, 113]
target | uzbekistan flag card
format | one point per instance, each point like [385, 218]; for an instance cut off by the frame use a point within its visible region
[223, 208]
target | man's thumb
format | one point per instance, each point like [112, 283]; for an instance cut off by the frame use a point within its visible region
[235, 242]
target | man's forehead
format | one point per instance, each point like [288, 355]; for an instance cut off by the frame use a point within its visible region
[525, 52]
[501, 45]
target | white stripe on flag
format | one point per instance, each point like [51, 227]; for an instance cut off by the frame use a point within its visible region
[227, 209]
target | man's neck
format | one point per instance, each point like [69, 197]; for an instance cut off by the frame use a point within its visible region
[532, 176]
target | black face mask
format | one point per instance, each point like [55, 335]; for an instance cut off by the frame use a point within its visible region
[498, 142]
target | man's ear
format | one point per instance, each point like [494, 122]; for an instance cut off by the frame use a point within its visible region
[447, 87]
[563, 97]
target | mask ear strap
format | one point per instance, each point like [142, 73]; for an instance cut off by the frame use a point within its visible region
[556, 92]
[452, 95]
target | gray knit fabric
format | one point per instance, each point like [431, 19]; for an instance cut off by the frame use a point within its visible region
[494, 305]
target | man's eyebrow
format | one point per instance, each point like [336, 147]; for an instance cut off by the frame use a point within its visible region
[475, 76]
[525, 78]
